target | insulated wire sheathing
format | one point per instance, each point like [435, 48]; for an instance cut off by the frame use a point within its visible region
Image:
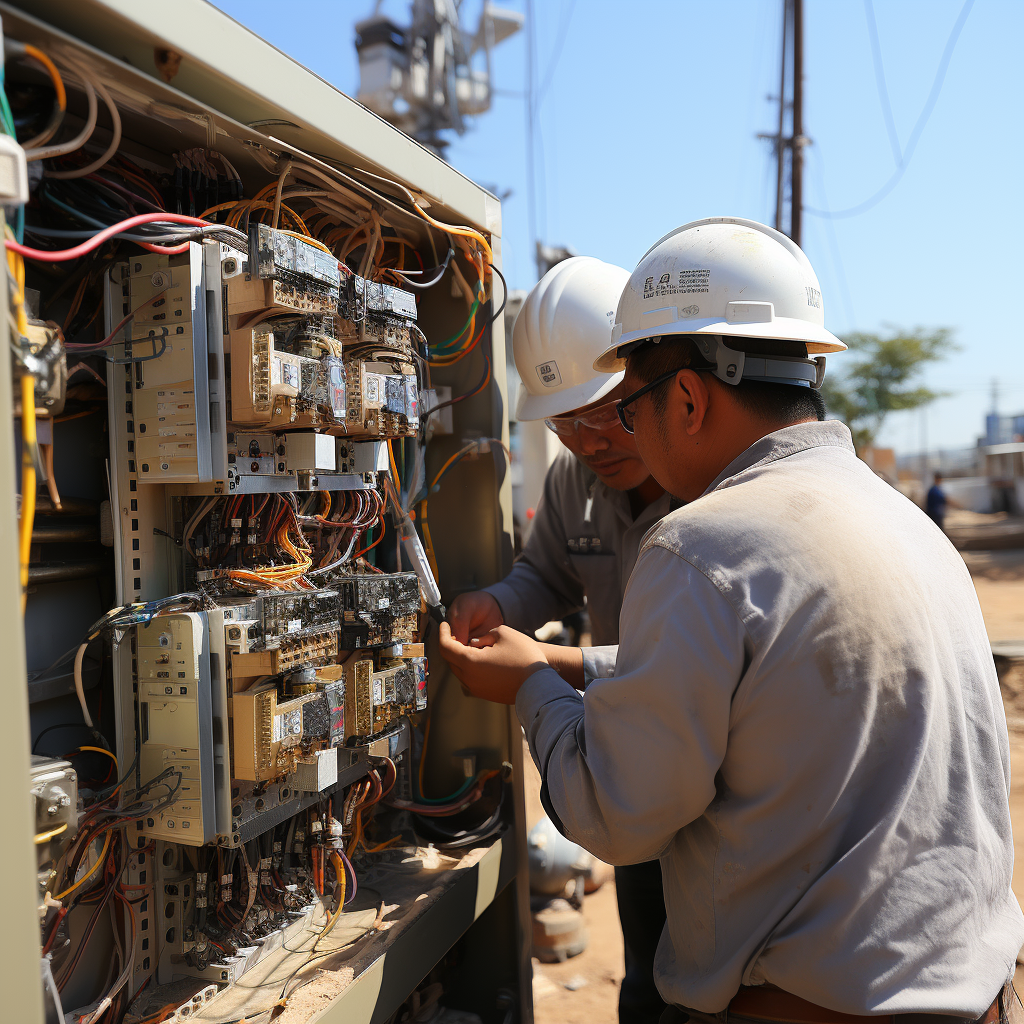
[28, 481]
[62, 148]
[58, 87]
[63, 255]
[115, 141]
[80, 684]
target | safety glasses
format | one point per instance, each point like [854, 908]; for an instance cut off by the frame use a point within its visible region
[625, 407]
[601, 418]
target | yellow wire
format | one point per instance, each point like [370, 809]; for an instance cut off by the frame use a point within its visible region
[45, 837]
[100, 750]
[28, 480]
[383, 846]
[92, 871]
[394, 467]
[307, 238]
[241, 206]
[453, 229]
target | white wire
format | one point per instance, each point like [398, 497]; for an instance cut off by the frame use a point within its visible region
[52, 986]
[115, 141]
[79, 685]
[45, 152]
[123, 977]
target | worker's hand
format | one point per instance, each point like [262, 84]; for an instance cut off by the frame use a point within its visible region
[473, 614]
[494, 666]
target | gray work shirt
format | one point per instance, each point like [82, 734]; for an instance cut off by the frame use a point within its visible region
[583, 542]
[804, 724]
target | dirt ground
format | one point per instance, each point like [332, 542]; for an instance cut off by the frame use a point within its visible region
[584, 989]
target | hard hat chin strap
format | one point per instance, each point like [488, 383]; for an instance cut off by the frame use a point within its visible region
[732, 365]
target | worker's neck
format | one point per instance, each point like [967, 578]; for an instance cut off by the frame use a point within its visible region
[644, 494]
[721, 447]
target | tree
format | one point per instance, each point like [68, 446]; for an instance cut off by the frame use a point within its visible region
[879, 375]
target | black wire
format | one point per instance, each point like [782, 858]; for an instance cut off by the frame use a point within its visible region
[501, 308]
[61, 725]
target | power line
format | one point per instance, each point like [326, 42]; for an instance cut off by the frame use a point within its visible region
[556, 53]
[883, 91]
[915, 135]
[830, 231]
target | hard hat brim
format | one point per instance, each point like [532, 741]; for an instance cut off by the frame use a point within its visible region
[558, 403]
[817, 339]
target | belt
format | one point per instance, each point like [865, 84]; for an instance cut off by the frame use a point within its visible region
[766, 1002]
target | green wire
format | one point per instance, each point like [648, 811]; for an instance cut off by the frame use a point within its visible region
[455, 337]
[7, 123]
[447, 799]
[6, 116]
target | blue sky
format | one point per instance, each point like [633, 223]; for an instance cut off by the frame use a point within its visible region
[650, 120]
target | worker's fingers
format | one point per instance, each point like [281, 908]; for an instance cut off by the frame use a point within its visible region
[473, 614]
[459, 617]
[454, 652]
[487, 640]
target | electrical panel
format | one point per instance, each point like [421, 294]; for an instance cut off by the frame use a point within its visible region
[235, 437]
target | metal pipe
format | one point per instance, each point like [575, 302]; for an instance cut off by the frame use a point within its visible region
[65, 533]
[63, 572]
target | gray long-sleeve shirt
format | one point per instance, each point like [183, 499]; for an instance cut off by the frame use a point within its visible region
[804, 724]
[583, 542]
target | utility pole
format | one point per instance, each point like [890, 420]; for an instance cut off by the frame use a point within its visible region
[796, 144]
[791, 145]
[780, 149]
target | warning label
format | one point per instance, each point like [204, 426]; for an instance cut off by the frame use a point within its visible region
[682, 282]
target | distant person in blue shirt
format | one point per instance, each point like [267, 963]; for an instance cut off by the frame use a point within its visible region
[936, 501]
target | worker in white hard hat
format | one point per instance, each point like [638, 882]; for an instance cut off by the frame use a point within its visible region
[599, 500]
[802, 718]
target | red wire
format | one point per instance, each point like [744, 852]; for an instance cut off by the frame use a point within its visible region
[61, 255]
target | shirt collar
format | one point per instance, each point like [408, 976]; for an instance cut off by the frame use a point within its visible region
[619, 501]
[787, 441]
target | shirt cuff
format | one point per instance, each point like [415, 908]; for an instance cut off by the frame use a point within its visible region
[544, 686]
[512, 612]
[599, 662]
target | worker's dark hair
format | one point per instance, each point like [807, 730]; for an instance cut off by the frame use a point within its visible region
[773, 403]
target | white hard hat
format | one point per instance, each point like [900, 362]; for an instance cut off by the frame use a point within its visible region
[564, 325]
[730, 279]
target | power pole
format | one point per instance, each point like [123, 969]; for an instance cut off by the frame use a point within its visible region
[791, 145]
[780, 148]
[796, 143]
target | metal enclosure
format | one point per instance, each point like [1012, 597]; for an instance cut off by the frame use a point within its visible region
[233, 89]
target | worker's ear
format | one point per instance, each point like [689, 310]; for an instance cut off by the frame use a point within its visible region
[689, 395]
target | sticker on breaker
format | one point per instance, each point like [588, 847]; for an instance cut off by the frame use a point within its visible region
[294, 624]
[292, 376]
[378, 691]
[371, 393]
[412, 408]
[335, 693]
[420, 666]
[287, 728]
[336, 391]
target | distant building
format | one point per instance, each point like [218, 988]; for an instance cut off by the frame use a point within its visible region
[1001, 429]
